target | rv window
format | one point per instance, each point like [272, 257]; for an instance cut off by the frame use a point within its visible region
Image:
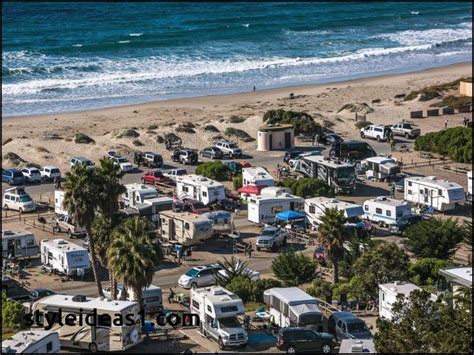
[209, 308]
[186, 226]
[30, 242]
[153, 299]
[195, 304]
[267, 299]
[276, 303]
[378, 210]
[383, 296]
[440, 192]
[312, 209]
[204, 194]
[229, 309]
[49, 346]
[422, 191]
[185, 189]
[277, 209]
[366, 207]
[409, 183]
[388, 213]
[286, 309]
[409, 192]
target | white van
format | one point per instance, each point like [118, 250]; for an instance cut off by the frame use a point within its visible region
[17, 199]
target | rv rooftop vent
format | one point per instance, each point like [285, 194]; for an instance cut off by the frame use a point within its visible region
[333, 200]
[432, 178]
[394, 289]
[217, 291]
[79, 298]
[60, 241]
[381, 198]
[358, 347]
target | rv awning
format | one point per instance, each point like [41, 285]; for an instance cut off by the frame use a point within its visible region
[304, 309]
[250, 189]
[289, 216]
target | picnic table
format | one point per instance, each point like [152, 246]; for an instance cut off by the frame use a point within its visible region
[425, 155]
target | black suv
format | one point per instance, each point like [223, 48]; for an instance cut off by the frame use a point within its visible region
[293, 340]
[403, 223]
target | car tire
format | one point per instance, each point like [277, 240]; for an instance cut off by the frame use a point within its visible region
[221, 344]
[407, 135]
[291, 349]
[326, 349]
[194, 285]
[362, 135]
[20, 210]
[69, 233]
[143, 181]
[379, 139]
[93, 348]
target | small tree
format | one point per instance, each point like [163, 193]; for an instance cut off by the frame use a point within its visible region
[426, 271]
[232, 268]
[214, 170]
[321, 289]
[237, 182]
[294, 269]
[243, 287]
[434, 238]
[308, 187]
[13, 314]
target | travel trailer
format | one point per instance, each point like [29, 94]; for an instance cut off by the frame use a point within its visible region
[380, 168]
[272, 200]
[222, 221]
[64, 257]
[315, 208]
[441, 195]
[151, 208]
[292, 307]
[218, 310]
[199, 188]
[17, 199]
[32, 342]
[337, 174]
[138, 194]
[184, 227]
[152, 297]
[257, 176]
[120, 331]
[19, 244]
[385, 210]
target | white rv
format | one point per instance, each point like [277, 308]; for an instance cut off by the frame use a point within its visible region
[64, 257]
[218, 310]
[184, 227]
[385, 210]
[291, 307]
[316, 207]
[388, 296]
[257, 176]
[32, 342]
[380, 168]
[441, 195]
[59, 203]
[222, 221]
[152, 297]
[469, 185]
[272, 200]
[137, 194]
[199, 188]
[109, 334]
[19, 244]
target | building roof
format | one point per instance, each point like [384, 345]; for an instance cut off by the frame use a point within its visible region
[459, 275]
[404, 288]
[217, 294]
[198, 180]
[434, 182]
[61, 244]
[327, 202]
[388, 201]
[21, 341]
[250, 189]
[275, 127]
[291, 295]
[65, 301]
[355, 345]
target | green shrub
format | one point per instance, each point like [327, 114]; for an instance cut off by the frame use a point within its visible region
[211, 128]
[152, 126]
[434, 91]
[242, 135]
[13, 314]
[308, 187]
[426, 271]
[214, 170]
[362, 124]
[453, 101]
[185, 129]
[82, 138]
[237, 182]
[129, 133]
[303, 122]
[453, 142]
[137, 142]
[236, 119]
[251, 291]
[294, 269]
[160, 139]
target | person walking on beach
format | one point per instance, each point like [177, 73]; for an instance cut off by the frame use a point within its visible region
[445, 124]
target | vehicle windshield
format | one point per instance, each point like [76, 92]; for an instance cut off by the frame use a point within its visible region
[346, 173]
[34, 172]
[267, 233]
[357, 327]
[158, 174]
[192, 272]
[87, 163]
[358, 151]
[17, 174]
[354, 219]
[231, 322]
[122, 160]
[181, 172]
[25, 198]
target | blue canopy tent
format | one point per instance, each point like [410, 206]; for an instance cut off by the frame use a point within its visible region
[289, 216]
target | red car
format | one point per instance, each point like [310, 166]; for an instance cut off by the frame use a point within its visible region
[154, 176]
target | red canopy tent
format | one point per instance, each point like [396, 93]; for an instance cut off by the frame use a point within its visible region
[251, 189]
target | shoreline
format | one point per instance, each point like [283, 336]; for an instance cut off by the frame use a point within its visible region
[249, 95]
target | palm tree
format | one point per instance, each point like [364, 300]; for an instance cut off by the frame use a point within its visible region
[81, 200]
[133, 255]
[467, 227]
[232, 268]
[332, 235]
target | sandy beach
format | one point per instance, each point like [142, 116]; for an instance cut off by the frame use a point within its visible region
[25, 136]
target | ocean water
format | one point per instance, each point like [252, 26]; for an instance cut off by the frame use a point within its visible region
[71, 56]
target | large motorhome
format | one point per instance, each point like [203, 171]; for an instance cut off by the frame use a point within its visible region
[380, 168]
[272, 200]
[316, 207]
[64, 257]
[152, 297]
[32, 342]
[257, 176]
[199, 188]
[19, 244]
[385, 210]
[108, 335]
[291, 307]
[184, 228]
[337, 174]
[441, 195]
[218, 310]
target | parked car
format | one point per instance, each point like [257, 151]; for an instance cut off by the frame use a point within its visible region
[212, 153]
[152, 160]
[380, 133]
[298, 340]
[123, 163]
[49, 173]
[38, 293]
[231, 195]
[199, 276]
[346, 325]
[13, 177]
[31, 174]
[185, 156]
[291, 155]
[229, 148]
[271, 238]
[406, 130]
[403, 223]
[331, 139]
[154, 176]
[17, 199]
[173, 173]
[81, 160]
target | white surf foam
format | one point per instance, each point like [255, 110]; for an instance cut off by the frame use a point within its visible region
[123, 42]
[135, 34]
[77, 45]
[432, 36]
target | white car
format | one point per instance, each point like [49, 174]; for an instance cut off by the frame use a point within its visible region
[173, 173]
[81, 160]
[31, 174]
[229, 148]
[50, 173]
[124, 164]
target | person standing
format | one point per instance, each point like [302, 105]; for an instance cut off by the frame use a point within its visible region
[171, 296]
[445, 124]
[254, 88]
[250, 250]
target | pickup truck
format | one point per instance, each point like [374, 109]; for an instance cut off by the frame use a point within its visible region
[380, 133]
[65, 224]
[154, 176]
[173, 173]
[271, 238]
[406, 130]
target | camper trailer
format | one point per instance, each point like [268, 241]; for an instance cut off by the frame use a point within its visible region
[292, 307]
[380, 168]
[316, 207]
[32, 342]
[137, 194]
[272, 200]
[218, 310]
[199, 188]
[222, 221]
[110, 334]
[385, 210]
[64, 257]
[337, 174]
[151, 208]
[19, 244]
[152, 297]
[257, 176]
[184, 228]
[441, 195]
